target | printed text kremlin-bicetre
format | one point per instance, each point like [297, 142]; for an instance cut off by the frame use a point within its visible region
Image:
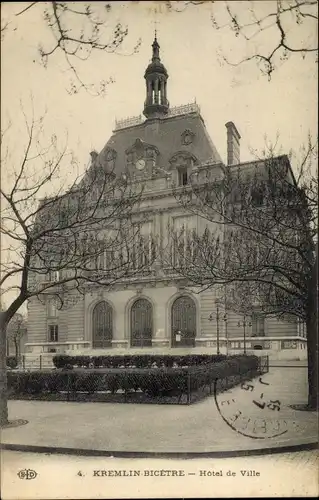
[172, 473]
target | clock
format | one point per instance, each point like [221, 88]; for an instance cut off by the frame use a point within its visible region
[140, 164]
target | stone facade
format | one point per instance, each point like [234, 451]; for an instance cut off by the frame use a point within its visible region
[159, 152]
[76, 325]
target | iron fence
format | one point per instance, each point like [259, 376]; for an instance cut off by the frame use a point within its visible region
[135, 385]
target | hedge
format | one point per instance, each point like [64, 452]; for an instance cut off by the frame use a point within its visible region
[11, 362]
[152, 383]
[136, 361]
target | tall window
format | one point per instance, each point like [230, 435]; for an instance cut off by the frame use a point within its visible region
[182, 176]
[143, 251]
[52, 310]
[183, 248]
[102, 329]
[183, 163]
[257, 196]
[183, 318]
[53, 333]
[258, 325]
[52, 315]
[301, 328]
[141, 323]
[53, 276]
[153, 93]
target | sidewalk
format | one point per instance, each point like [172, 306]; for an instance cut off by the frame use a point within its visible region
[124, 429]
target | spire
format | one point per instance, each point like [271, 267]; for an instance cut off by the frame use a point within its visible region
[156, 103]
[156, 47]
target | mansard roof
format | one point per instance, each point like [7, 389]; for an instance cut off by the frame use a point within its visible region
[166, 135]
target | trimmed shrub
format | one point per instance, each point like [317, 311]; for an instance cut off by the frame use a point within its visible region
[11, 362]
[154, 383]
[137, 360]
[61, 360]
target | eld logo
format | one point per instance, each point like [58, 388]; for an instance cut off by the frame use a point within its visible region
[27, 474]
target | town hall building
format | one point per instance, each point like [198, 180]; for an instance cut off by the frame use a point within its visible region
[158, 310]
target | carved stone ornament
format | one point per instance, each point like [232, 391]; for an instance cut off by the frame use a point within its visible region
[187, 137]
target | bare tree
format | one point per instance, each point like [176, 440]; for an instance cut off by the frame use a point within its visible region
[272, 31]
[258, 237]
[16, 330]
[64, 235]
[77, 30]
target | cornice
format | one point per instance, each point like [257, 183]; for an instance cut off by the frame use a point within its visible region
[139, 283]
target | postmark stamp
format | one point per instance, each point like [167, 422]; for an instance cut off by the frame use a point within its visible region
[250, 409]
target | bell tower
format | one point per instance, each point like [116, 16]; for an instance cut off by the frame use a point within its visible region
[156, 103]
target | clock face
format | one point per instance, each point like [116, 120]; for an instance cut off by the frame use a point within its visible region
[140, 164]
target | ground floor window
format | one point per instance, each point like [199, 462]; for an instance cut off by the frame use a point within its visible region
[53, 333]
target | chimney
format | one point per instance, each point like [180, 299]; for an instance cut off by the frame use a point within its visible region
[233, 144]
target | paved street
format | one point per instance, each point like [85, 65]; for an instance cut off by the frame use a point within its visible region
[62, 476]
[241, 420]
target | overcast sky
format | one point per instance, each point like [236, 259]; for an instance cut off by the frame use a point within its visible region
[189, 49]
[189, 46]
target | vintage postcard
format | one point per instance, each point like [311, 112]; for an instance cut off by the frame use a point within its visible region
[159, 249]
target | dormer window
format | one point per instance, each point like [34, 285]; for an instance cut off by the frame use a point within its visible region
[257, 196]
[182, 176]
[183, 164]
[142, 156]
[110, 157]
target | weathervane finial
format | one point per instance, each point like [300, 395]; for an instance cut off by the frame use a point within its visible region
[155, 25]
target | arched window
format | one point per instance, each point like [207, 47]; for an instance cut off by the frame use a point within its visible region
[183, 322]
[153, 92]
[141, 323]
[102, 328]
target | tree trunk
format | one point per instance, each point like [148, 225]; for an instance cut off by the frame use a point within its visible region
[3, 373]
[312, 352]
[312, 338]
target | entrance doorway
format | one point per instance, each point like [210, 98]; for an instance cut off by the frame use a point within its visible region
[183, 322]
[141, 323]
[102, 331]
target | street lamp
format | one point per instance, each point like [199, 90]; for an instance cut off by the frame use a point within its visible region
[226, 332]
[211, 318]
[244, 323]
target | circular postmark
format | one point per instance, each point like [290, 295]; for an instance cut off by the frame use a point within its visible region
[251, 409]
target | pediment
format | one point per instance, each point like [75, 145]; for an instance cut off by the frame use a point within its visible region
[140, 147]
[182, 158]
